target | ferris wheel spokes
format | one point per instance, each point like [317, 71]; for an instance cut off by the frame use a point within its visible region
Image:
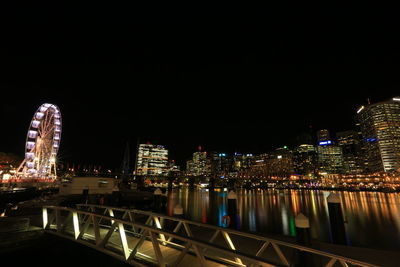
[42, 144]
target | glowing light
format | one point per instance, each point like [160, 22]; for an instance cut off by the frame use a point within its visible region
[30, 165]
[35, 124]
[30, 145]
[324, 143]
[359, 110]
[44, 214]
[396, 99]
[32, 134]
[76, 224]
[123, 240]
[39, 115]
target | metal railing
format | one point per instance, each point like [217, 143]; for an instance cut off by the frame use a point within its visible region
[141, 237]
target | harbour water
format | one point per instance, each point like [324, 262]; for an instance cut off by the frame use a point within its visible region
[372, 218]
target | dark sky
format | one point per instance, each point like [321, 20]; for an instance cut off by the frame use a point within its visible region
[227, 81]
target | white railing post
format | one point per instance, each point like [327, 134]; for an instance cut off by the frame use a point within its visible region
[157, 250]
[111, 212]
[45, 217]
[75, 221]
[230, 244]
[158, 225]
[124, 242]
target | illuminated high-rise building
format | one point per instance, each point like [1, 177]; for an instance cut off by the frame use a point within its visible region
[242, 161]
[152, 160]
[199, 164]
[350, 143]
[305, 160]
[280, 162]
[330, 156]
[380, 128]
[330, 159]
[220, 163]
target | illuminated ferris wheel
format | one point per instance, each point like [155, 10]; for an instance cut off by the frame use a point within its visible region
[42, 143]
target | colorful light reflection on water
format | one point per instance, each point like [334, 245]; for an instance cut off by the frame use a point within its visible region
[373, 218]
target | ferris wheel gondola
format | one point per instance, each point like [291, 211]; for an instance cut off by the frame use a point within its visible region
[42, 144]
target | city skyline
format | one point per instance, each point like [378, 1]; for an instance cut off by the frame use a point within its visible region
[182, 154]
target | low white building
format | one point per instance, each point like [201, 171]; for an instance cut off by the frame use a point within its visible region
[92, 185]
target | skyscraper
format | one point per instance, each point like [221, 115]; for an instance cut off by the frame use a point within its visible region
[281, 162]
[350, 143]
[330, 156]
[305, 159]
[152, 160]
[242, 161]
[220, 163]
[199, 164]
[380, 128]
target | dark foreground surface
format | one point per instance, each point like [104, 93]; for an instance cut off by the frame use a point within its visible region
[52, 251]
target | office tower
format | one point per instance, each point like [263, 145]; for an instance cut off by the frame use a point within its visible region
[330, 158]
[242, 161]
[198, 165]
[380, 129]
[305, 160]
[189, 167]
[350, 143]
[221, 164]
[152, 160]
[281, 162]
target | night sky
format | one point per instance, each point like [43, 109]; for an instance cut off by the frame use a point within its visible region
[226, 82]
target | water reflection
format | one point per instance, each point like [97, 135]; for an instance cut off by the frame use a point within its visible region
[373, 218]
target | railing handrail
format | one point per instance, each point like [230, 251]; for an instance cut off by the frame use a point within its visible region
[236, 232]
[192, 240]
